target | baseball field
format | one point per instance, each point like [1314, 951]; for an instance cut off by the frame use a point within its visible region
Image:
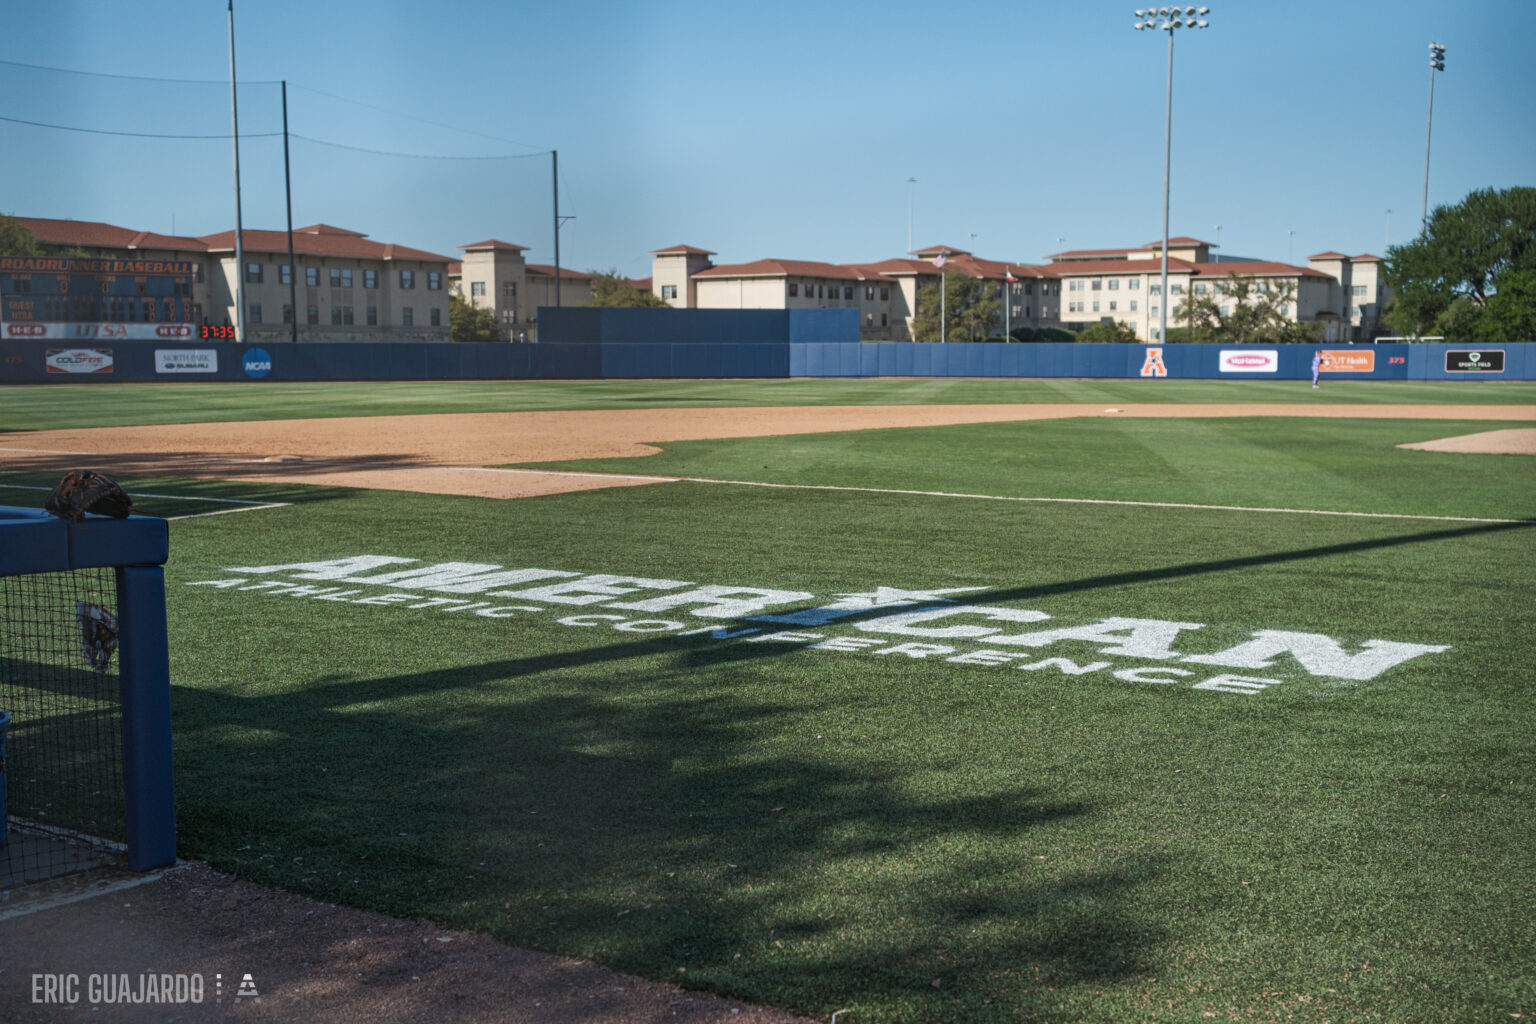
[926, 700]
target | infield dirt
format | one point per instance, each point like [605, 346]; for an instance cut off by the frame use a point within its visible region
[451, 453]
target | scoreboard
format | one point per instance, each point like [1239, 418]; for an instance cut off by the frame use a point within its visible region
[46, 298]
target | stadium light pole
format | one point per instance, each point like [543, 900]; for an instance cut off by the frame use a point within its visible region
[1166, 19]
[234, 117]
[1436, 63]
[911, 185]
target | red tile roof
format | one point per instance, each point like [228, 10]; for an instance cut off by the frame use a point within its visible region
[692, 250]
[641, 284]
[934, 250]
[456, 269]
[1366, 257]
[892, 268]
[1087, 268]
[92, 234]
[781, 268]
[328, 229]
[1256, 268]
[492, 243]
[1080, 254]
[1329, 255]
[566, 273]
[330, 242]
[1183, 241]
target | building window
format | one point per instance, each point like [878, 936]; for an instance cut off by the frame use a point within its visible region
[285, 273]
[1095, 305]
[1133, 305]
[336, 316]
[794, 289]
[312, 276]
[407, 314]
[669, 291]
[436, 316]
[287, 313]
[1226, 309]
[884, 320]
[197, 272]
[1177, 289]
[1358, 289]
[1155, 289]
[407, 279]
[869, 292]
[253, 273]
[1285, 310]
[1354, 310]
[313, 314]
[373, 314]
[370, 279]
[1199, 289]
[434, 281]
[1154, 311]
[1114, 284]
[1097, 284]
[869, 319]
[509, 289]
[885, 294]
[1027, 313]
[1029, 288]
[1113, 305]
[1133, 284]
[255, 312]
[847, 291]
[477, 288]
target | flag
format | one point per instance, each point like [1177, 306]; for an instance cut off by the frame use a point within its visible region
[940, 261]
[1007, 273]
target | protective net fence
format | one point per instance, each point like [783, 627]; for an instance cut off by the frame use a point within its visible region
[61, 767]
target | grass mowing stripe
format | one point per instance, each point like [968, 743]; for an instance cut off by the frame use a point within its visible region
[147, 494]
[1084, 501]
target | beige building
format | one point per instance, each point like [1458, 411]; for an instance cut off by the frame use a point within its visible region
[348, 287]
[1344, 294]
[493, 275]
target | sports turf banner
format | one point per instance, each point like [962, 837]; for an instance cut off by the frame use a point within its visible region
[928, 624]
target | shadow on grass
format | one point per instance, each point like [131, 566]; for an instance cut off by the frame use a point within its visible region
[659, 821]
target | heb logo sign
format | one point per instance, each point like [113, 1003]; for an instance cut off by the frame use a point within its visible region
[25, 330]
[79, 360]
[1264, 360]
[1348, 361]
[1474, 360]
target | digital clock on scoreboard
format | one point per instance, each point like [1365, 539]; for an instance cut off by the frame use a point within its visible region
[217, 332]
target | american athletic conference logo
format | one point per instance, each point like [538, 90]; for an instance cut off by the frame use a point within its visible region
[257, 362]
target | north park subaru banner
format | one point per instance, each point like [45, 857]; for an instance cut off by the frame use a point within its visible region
[186, 360]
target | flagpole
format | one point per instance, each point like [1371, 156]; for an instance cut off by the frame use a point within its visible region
[943, 292]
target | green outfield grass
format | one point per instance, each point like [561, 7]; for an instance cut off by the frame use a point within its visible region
[908, 837]
[51, 406]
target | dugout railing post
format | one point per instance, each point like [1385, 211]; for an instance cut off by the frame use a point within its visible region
[32, 541]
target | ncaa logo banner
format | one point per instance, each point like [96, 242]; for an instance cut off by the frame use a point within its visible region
[257, 362]
[1264, 360]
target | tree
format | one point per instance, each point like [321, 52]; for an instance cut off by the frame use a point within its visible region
[1242, 310]
[16, 240]
[610, 288]
[470, 323]
[1114, 331]
[971, 306]
[1468, 254]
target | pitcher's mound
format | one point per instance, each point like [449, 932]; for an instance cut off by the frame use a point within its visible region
[1489, 442]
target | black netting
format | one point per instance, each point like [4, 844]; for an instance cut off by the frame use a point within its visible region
[62, 767]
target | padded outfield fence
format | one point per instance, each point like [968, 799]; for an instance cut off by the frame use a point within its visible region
[97, 361]
[84, 679]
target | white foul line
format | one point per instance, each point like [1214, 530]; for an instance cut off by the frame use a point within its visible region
[1102, 501]
[231, 511]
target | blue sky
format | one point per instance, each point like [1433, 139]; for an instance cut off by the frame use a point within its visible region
[771, 130]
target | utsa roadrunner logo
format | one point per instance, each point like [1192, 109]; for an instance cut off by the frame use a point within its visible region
[1153, 366]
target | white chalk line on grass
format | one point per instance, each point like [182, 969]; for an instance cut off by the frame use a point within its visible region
[251, 506]
[1101, 501]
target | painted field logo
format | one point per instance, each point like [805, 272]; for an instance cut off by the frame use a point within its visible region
[256, 362]
[1265, 360]
[924, 624]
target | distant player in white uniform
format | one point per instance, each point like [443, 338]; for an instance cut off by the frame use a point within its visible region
[1317, 365]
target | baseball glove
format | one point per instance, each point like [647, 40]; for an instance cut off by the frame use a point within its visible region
[84, 490]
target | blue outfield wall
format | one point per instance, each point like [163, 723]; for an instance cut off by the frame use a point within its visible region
[57, 362]
[611, 326]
